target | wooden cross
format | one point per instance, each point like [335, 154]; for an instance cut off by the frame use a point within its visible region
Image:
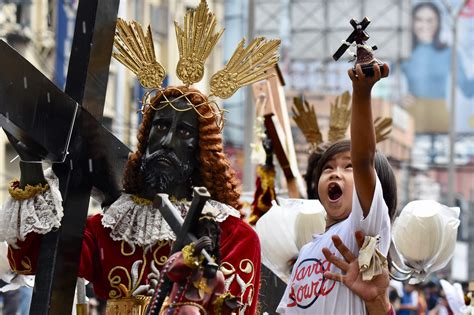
[358, 35]
[364, 55]
[64, 127]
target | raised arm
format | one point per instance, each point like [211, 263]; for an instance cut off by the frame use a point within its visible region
[363, 134]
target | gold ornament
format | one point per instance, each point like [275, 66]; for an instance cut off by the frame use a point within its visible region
[136, 51]
[141, 201]
[190, 259]
[28, 192]
[246, 66]
[195, 39]
[195, 42]
[128, 305]
[339, 117]
[305, 118]
[383, 127]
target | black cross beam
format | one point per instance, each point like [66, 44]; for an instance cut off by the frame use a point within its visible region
[183, 237]
[38, 113]
[357, 34]
[66, 127]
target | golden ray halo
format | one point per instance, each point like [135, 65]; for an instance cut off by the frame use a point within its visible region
[195, 40]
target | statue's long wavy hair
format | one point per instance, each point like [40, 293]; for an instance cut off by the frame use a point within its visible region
[214, 172]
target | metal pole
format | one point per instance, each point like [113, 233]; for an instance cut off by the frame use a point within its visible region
[249, 170]
[452, 127]
[452, 132]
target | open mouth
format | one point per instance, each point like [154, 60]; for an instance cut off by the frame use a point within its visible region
[334, 192]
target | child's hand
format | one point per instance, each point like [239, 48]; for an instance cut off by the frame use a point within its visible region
[362, 83]
[351, 276]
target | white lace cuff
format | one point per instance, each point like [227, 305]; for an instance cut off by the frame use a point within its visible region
[39, 214]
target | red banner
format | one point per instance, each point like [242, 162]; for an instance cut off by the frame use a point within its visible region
[468, 10]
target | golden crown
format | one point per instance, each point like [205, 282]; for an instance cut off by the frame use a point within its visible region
[196, 39]
[339, 119]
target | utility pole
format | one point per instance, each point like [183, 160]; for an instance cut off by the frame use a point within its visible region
[249, 112]
[452, 101]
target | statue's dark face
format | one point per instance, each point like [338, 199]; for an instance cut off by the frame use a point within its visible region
[172, 150]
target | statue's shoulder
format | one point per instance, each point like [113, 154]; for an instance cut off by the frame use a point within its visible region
[95, 220]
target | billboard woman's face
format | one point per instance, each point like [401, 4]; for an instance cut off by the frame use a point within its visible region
[425, 24]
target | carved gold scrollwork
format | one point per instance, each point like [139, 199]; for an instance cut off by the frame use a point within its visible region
[160, 261]
[115, 281]
[123, 246]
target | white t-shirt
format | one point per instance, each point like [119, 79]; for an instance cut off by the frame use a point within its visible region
[308, 292]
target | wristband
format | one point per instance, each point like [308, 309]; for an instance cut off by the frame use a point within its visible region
[28, 192]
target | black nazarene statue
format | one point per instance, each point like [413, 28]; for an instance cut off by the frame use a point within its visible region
[179, 147]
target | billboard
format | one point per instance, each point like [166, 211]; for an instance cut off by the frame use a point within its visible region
[413, 36]
[427, 71]
[312, 30]
[66, 18]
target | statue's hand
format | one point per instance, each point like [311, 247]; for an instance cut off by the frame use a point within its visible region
[25, 153]
[152, 285]
[233, 303]
[204, 242]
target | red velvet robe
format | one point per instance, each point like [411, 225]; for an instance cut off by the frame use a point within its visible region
[107, 263]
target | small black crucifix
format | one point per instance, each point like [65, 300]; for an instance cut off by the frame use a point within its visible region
[64, 127]
[364, 55]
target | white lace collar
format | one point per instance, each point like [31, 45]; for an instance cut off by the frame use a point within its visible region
[143, 225]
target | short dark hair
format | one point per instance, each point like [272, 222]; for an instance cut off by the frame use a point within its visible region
[382, 168]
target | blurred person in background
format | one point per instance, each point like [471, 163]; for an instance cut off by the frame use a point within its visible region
[442, 308]
[16, 302]
[432, 295]
[393, 297]
[409, 301]
[422, 306]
